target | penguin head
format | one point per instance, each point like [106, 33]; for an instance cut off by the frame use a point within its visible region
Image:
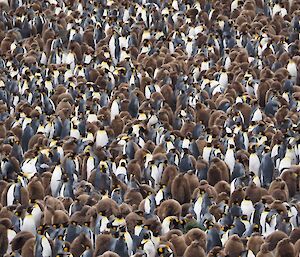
[66, 248]
[30, 209]
[42, 228]
[244, 217]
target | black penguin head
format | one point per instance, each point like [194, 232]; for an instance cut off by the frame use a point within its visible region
[147, 235]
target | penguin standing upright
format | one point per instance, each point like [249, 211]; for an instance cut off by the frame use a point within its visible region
[55, 180]
[114, 47]
[230, 158]
[254, 162]
[266, 169]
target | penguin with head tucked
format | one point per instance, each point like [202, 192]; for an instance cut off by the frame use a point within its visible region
[180, 189]
[264, 251]
[169, 207]
[35, 189]
[234, 246]
[194, 249]
[79, 245]
[285, 248]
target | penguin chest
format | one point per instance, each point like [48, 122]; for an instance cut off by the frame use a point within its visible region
[75, 133]
[70, 58]
[294, 216]
[229, 159]
[121, 171]
[171, 47]
[189, 48]
[49, 86]
[275, 151]
[89, 137]
[262, 222]
[159, 197]
[118, 222]
[29, 224]
[149, 249]
[114, 110]
[185, 143]
[254, 163]
[285, 163]
[147, 205]
[104, 223]
[16, 100]
[43, 59]
[247, 208]
[292, 69]
[155, 174]
[28, 168]
[166, 225]
[206, 153]
[10, 195]
[129, 242]
[225, 237]
[204, 66]
[227, 63]
[270, 227]
[25, 123]
[55, 180]
[233, 185]
[112, 47]
[68, 74]
[276, 9]
[170, 146]
[291, 154]
[223, 80]
[257, 115]
[10, 236]
[246, 140]
[62, 190]
[37, 215]
[80, 73]
[46, 247]
[148, 92]
[198, 207]
[101, 138]
[90, 165]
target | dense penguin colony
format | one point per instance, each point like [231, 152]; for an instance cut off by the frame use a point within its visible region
[149, 128]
